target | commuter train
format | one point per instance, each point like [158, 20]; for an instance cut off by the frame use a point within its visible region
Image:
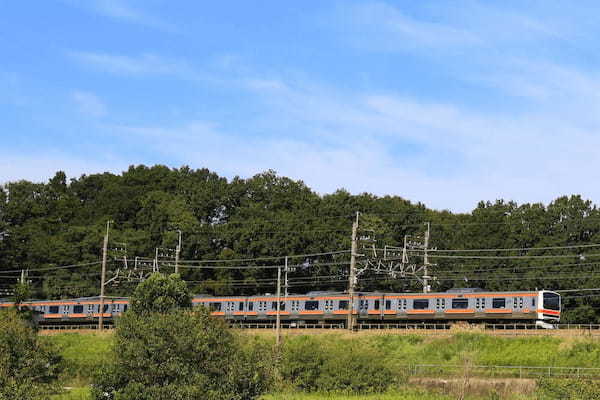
[540, 307]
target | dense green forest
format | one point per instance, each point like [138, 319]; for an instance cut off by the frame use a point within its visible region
[47, 226]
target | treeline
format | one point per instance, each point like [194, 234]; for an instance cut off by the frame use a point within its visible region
[59, 223]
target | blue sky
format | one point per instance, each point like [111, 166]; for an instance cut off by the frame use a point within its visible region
[444, 102]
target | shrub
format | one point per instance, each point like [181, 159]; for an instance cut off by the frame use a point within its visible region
[28, 367]
[339, 365]
[568, 389]
[164, 351]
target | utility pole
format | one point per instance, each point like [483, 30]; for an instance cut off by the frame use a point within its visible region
[278, 321]
[352, 278]
[103, 277]
[155, 267]
[426, 260]
[177, 251]
[285, 279]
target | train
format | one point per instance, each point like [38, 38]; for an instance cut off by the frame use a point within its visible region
[541, 307]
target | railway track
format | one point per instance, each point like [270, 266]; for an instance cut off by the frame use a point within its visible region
[425, 328]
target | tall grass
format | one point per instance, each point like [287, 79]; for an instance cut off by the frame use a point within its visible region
[82, 355]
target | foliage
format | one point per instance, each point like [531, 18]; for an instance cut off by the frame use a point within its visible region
[61, 222]
[314, 365]
[178, 355]
[28, 366]
[160, 294]
[22, 292]
[568, 389]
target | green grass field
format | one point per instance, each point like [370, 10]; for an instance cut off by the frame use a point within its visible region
[84, 353]
[415, 394]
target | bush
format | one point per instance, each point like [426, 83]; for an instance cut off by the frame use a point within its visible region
[339, 365]
[28, 367]
[568, 389]
[160, 293]
[164, 351]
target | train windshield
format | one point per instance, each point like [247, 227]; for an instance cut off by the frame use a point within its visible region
[551, 301]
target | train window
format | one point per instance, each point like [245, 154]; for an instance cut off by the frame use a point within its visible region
[363, 304]
[343, 305]
[388, 304]
[53, 310]
[498, 303]
[520, 302]
[106, 307]
[282, 305]
[402, 304]
[328, 305]
[295, 306]
[533, 301]
[262, 306]
[274, 305]
[90, 308]
[479, 303]
[250, 305]
[78, 309]
[460, 303]
[376, 306]
[241, 306]
[214, 306]
[311, 305]
[421, 304]
[552, 301]
[125, 307]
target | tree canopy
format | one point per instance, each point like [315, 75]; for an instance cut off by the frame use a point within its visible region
[59, 223]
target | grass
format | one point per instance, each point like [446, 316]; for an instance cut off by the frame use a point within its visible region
[82, 355]
[82, 393]
[408, 394]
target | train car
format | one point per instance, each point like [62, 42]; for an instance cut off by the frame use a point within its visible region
[80, 310]
[455, 304]
[541, 307]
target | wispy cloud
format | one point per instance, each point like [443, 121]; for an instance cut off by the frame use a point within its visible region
[89, 104]
[380, 26]
[143, 65]
[124, 11]
[446, 155]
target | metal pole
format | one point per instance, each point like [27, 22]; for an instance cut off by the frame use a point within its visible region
[155, 269]
[278, 321]
[285, 279]
[103, 278]
[426, 261]
[352, 278]
[177, 251]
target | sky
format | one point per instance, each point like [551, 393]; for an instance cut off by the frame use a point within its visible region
[443, 102]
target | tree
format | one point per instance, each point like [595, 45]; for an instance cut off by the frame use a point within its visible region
[160, 294]
[164, 351]
[28, 367]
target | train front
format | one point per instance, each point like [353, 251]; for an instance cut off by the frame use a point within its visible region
[549, 306]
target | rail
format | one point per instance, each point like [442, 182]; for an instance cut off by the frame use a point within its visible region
[431, 328]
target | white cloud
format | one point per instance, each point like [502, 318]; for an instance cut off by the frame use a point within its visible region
[124, 11]
[89, 104]
[140, 66]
